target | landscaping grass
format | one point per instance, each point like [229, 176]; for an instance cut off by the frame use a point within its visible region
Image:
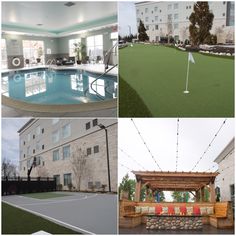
[134, 108]
[17, 221]
[45, 195]
[158, 75]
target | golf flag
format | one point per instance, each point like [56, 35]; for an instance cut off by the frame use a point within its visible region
[190, 57]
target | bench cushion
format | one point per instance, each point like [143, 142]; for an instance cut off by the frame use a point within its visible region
[203, 211]
[183, 210]
[171, 210]
[210, 210]
[177, 211]
[158, 209]
[189, 210]
[196, 210]
[165, 210]
[151, 210]
[137, 209]
[144, 210]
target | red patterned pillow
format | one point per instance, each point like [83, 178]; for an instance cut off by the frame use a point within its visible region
[158, 209]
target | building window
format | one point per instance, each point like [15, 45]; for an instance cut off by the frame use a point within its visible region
[146, 19]
[4, 54]
[28, 137]
[42, 147]
[28, 151]
[66, 152]
[37, 161]
[170, 17]
[57, 179]
[66, 132]
[147, 27]
[160, 20]
[223, 14]
[95, 46]
[160, 11]
[87, 125]
[37, 145]
[155, 9]
[223, 3]
[24, 142]
[33, 151]
[169, 7]
[176, 16]
[156, 27]
[186, 17]
[43, 163]
[230, 14]
[156, 18]
[98, 184]
[55, 136]
[146, 10]
[33, 136]
[96, 149]
[42, 130]
[67, 179]
[176, 6]
[24, 155]
[189, 7]
[176, 26]
[72, 45]
[38, 130]
[89, 151]
[56, 155]
[95, 122]
[33, 50]
[152, 12]
[90, 185]
[55, 120]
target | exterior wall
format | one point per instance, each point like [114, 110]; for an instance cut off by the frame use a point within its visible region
[226, 166]
[155, 14]
[95, 168]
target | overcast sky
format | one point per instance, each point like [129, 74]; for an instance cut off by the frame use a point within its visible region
[127, 17]
[161, 136]
[10, 138]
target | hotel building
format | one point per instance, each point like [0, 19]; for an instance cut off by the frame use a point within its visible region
[163, 19]
[80, 153]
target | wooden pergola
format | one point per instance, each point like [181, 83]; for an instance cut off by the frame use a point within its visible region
[176, 181]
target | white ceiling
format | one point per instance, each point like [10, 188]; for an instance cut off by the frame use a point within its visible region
[55, 16]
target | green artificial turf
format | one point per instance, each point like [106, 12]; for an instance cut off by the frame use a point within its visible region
[17, 221]
[137, 107]
[158, 75]
[45, 195]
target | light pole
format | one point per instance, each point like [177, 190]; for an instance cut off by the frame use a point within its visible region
[108, 162]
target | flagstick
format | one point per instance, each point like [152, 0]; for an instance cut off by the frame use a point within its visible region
[186, 88]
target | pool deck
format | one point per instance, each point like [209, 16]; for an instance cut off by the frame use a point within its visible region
[15, 108]
[95, 68]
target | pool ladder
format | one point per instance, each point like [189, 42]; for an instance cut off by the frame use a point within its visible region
[107, 69]
[49, 62]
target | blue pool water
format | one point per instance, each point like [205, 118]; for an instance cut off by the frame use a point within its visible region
[44, 86]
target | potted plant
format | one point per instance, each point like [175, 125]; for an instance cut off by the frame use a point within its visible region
[79, 52]
[40, 54]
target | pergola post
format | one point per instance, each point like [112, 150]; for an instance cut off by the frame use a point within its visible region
[202, 194]
[212, 192]
[137, 191]
[197, 196]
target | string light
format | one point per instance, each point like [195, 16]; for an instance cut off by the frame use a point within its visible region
[131, 158]
[209, 145]
[125, 166]
[145, 144]
[177, 145]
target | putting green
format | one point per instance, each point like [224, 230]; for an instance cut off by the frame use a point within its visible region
[45, 195]
[158, 75]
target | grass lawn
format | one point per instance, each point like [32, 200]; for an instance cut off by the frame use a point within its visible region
[158, 75]
[17, 221]
[45, 195]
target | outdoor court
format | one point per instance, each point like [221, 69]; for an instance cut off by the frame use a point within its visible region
[158, 75]
[88, 213]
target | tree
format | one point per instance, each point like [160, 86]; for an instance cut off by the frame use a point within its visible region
[201, 21]
[78, 162]
[127, 185]
[142, 35]
[9, 169]
[180, 196]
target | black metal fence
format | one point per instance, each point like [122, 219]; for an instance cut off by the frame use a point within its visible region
[20, 185]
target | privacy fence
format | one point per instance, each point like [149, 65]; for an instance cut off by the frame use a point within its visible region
[20, 185]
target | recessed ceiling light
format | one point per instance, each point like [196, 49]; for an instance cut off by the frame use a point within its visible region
[39, 24]
[69, 4]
